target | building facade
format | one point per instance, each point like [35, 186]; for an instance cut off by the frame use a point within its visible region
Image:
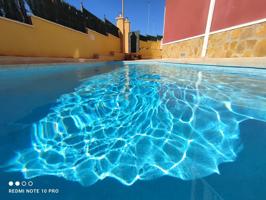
[214, 28]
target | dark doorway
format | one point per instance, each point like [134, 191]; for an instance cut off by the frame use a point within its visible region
[133, 42]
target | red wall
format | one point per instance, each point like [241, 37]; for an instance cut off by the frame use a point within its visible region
[185, 18]
[229, 13]
[188, 18]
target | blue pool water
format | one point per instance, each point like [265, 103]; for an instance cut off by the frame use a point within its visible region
[133, 131]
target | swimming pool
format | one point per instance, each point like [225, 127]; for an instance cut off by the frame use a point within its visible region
[134, 131]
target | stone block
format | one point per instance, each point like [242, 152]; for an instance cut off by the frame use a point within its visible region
[261, 30]
[246, 33]
[250, 43]
[240, 47]
[260, 48]
[233, 45]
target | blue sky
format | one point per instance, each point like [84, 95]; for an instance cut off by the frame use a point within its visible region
[136, 10]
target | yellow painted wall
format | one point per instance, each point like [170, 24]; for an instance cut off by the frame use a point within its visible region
[119, 24]
[150, 49]
[124, 26]
[127, 31]
[48, 39]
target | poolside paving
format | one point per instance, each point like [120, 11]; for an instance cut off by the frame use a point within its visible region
[258, 62]
[16, 60]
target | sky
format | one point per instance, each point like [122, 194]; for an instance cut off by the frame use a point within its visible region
[146, 16]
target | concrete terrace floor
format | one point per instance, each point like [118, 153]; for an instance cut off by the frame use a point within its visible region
[258, 62]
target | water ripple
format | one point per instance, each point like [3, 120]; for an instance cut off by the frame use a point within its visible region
[143, 122]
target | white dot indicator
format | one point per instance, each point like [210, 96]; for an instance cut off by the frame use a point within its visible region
[17, 183]
[10, 183]
[30, 183]
[23, 183]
